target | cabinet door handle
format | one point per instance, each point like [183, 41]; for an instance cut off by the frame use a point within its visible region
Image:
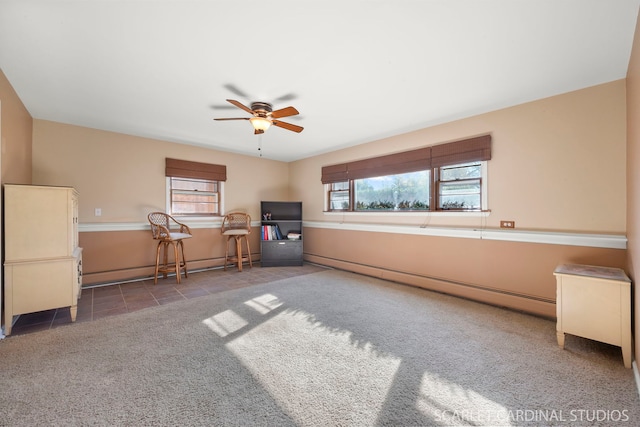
[282, 243]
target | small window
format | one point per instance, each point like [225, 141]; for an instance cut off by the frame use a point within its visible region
[339, 196]
[194, 196]
[460, 187]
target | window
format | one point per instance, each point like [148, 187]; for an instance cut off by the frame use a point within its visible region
[459, 187]
[406, 191]
[339, 196]
[194, 188]
[445, 177]
[194, 196]
[456, 188]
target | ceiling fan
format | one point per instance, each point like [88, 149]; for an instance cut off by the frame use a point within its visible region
[264, 116]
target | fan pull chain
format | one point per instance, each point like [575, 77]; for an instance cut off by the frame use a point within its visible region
[260, 145]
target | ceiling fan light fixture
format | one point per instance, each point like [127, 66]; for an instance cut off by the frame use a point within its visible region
[260, 123]
[264, 116]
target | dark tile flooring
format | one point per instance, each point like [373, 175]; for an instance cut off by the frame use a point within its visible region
[112, 300]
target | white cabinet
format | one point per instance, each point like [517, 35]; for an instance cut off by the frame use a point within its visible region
[594, 302]
[43, 262]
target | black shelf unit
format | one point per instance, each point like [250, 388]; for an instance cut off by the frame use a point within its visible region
[281, 250]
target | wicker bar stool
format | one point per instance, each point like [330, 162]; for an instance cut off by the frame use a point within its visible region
[161, 229]
[237, 225]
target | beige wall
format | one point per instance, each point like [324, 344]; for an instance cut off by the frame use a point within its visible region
[633, 172]
[16, 127]
[558, 165]
[15, 133]
[112, 256]
[124, 175]
[518, 275]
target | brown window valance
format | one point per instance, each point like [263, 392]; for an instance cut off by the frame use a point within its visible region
[335, 173]
[392, 164]
[466, 150]
[186, 169]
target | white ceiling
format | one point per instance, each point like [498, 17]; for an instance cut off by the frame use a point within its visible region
[357, 70]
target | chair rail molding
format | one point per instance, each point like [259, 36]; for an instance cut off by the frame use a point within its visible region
[144, 226]
[609, 241]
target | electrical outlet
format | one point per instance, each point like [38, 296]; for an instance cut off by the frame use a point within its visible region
[507, 224]
[98, 212]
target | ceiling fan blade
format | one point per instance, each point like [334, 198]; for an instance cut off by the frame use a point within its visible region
[287, 97]
[222, 107]
[287, 126]
[233, 118]
[231, 87]
[241, 106]
[284, 112]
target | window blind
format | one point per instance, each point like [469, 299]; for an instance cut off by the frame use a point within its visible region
[466, 150]
[195, 170]
[335, 173]
[392, 164]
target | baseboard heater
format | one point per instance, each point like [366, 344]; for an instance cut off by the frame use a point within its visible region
[499, 297]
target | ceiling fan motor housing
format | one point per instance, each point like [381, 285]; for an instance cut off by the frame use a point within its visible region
[261, 107]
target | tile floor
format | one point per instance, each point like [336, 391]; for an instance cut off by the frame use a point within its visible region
[112, 300]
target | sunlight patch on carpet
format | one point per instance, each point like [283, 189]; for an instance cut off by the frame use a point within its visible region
[449, 403]
[315, 372]
[225, 323]
[229, 321]
[264, 303]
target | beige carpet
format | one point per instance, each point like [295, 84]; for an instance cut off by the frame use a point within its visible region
[325, 349]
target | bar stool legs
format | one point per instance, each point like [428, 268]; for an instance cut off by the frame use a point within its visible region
[238, 258]
[165, 268]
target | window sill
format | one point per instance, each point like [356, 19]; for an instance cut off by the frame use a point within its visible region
[481, 214]
[198, 217]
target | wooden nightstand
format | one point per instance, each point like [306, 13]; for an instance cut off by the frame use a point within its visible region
[594, 302]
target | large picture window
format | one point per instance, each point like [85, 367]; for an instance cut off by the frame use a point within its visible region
[405, 191]
[445, 177]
